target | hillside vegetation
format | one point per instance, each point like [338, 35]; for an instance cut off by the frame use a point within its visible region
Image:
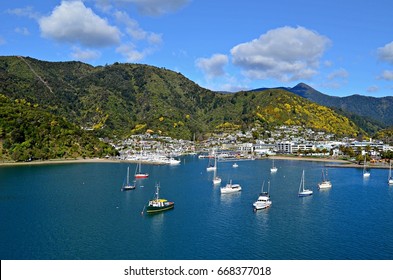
[122, 99]
[279, 107]
[28, 133]
[386, 135]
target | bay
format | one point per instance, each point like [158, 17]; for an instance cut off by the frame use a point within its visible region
[77, 211]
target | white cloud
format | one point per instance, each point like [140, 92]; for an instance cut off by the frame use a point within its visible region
[131, 54]
[22, 30]
[154, 39]
[104, 5]
[73, 22]
[154, 7]
[213, 66]
[336, 79]
[84, 55]
[135, 31]
[387, 75]
[338, 74]
[2, 41]
[24, 12]
[373, 89]
[148, 42]
[385, 53]
[285, 54]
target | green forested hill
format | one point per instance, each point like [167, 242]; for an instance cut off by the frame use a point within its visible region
[27, 133]
[276, 107]
[385, 135]
[121, 99]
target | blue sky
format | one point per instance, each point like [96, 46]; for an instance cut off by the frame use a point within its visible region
[338, 47]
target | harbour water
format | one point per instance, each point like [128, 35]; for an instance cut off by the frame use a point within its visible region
[77, 211]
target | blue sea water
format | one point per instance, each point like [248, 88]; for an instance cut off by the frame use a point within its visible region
[77, 211]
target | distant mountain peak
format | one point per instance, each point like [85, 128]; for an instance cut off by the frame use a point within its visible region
[303, 85]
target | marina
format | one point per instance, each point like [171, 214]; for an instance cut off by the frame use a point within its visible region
[76, 211]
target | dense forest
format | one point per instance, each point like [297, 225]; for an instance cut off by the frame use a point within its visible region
[29, 133]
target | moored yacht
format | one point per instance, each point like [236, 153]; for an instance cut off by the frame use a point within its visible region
[273, 169]
[263, 200]
[366, 173]
[325, 184]
[302, 190]
[231, 188]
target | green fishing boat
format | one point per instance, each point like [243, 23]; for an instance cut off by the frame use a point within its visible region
[158, 204]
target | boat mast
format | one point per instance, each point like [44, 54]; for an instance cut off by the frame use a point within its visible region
[268, 187]
[301, 187]
[157, 191]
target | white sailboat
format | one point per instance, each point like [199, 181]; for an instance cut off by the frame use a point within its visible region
[325, 184]
[302, 190]
[212, 164]
[216, 179]
[390, 179]
[366, 173]
[127, 186]
[273, 169]
[263, 200]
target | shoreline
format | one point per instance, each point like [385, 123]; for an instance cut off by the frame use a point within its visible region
[310, 159]
[334, 163]
[60, 161]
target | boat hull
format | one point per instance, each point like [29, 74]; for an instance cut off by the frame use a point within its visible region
[141, 176]
[261, 205]
[128, 188]
[157, 209]
[325, 185]
[305, 193]
[231, 188]
[216, 181]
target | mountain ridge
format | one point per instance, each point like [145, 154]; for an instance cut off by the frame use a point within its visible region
[370, 113]
[122, 99]
[377, 108]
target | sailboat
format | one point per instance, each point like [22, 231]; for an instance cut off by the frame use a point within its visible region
[390, 179]
[302, 190]
[325, 184]
[273, 169]
[216, 179]
[366, 174]
[212, 165]
[158, 204]
[127, 186]
[263, 200]
[138, 172]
